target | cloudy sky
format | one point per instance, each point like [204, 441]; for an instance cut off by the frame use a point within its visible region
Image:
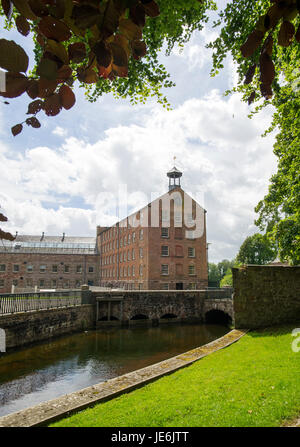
[65, 176]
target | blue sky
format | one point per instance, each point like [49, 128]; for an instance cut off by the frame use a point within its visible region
[59, 178]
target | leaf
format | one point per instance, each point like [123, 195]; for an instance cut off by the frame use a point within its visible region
[33, 88]
[297, 35]
[251, 98]
[39, 8]
[7, 8]
[266, 91]
[34, 107]
[46, 87]
[139, 49]
[54, 29]
[267, 69]
[47, 69]
[33, 122]
[87, 75]
[110, 20]
[273, 16]
[24, 8]
[41, 40]
[122, 72]
[12, 56]
[7, 236]
[268, 45]
[22, 25]
[104, 72]
[67, 97]
[3, 218]
[85, 16]
[252, 43]
[16, 85]
[52, 105]
[77, 52]
[64, 73]
[121, 40]
[130, 29]
[119, 55]
[151, 8]
[58, 49]
[138, 15]
[15, 130]
[250, 74]
[103, 54]
[58, 9]
[286, 34]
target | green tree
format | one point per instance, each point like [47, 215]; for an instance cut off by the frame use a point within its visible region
[256, 249]
[227, 279]
[279, 211]
[223, 267]
[213, 275]
[217, 271]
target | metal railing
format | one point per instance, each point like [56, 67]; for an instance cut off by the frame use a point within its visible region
[26, 302]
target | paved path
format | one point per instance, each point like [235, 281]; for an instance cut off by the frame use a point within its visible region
[46, 412]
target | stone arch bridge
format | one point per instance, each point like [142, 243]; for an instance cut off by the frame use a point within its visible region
[159, 306]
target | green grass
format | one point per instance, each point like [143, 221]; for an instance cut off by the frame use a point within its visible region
[254, 382]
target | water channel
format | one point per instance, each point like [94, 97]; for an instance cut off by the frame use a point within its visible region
[43, 371]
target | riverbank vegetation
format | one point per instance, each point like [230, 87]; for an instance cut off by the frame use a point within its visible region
[254, 382]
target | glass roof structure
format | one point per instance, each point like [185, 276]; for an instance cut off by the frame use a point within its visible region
[49, 244]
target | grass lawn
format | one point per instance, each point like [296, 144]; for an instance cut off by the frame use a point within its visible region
[254, 382]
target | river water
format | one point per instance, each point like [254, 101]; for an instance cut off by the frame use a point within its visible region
[43, 371]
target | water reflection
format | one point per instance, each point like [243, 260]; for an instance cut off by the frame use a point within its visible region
[42, 372]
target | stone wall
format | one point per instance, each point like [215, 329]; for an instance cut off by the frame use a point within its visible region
[266, 295]
[125, 306]
[27, 327]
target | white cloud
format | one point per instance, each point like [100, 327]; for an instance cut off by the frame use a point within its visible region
[60, 131]
[218, 147]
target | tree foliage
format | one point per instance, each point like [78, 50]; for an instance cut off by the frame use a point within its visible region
[279, 210]
[4, 234]
[217, 271]
[262, 36]
[112, 45]
[256, 249]
[227, 279]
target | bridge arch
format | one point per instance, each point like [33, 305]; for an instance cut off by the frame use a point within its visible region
[217, 316]
[169, 315]
[139, 316]
[105, 318]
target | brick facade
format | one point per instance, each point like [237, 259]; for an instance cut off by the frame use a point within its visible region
[29, 269]
[155, 248]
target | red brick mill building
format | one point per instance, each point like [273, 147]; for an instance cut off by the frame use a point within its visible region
[161, 246]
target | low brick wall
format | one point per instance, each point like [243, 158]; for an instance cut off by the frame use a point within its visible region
[266, 295]
[27, 327]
